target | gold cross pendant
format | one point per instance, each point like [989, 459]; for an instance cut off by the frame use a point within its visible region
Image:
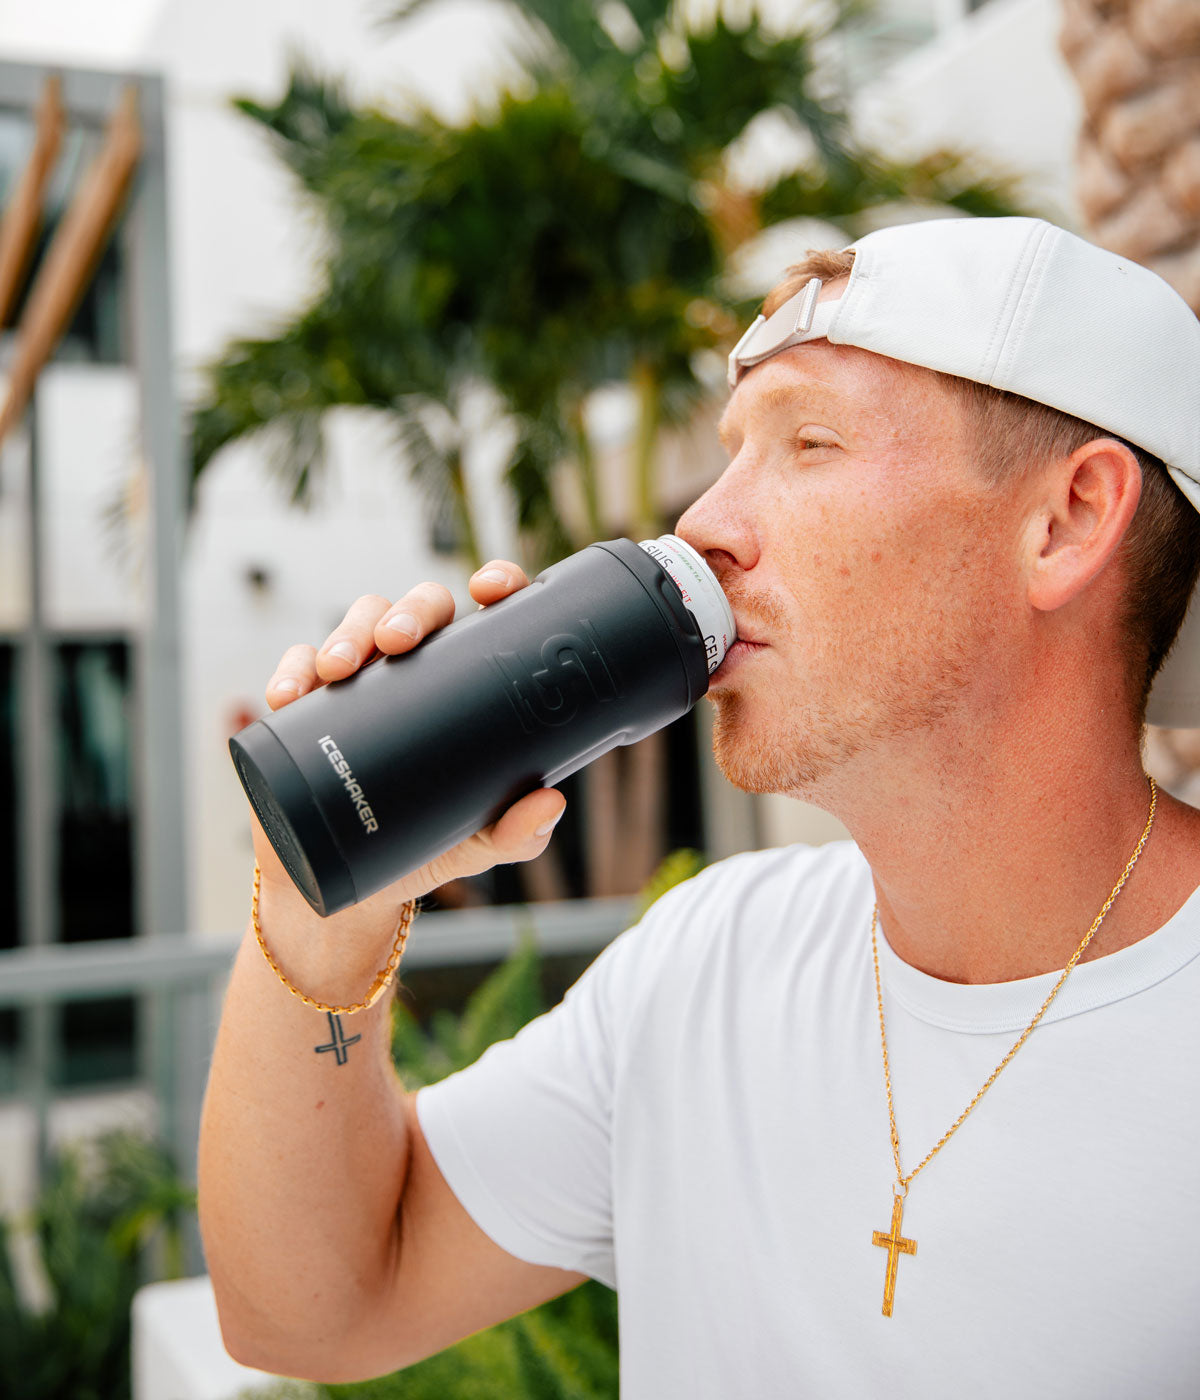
[895, 1245]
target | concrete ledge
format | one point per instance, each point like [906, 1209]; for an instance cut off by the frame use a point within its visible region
[177, 1349]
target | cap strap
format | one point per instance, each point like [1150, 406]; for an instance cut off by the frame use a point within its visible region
[799, 319]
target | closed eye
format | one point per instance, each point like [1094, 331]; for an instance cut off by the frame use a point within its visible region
[805, 444]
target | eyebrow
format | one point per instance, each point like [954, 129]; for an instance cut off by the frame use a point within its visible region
[779, 396]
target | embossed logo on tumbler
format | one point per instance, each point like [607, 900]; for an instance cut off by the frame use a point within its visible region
[367, 779]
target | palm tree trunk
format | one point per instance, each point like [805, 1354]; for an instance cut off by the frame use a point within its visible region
[602, 787]
[585, 456]
[463, 513]
[543, 878]
[648, 389]
[643, 829]
[1138, 177]
[626, 816]
[1137, 63]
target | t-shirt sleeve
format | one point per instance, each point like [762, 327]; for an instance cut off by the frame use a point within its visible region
[523, 1136]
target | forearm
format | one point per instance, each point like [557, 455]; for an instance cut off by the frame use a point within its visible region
[306, 1143]
[303, 1149]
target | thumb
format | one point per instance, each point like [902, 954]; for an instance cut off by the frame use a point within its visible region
[524, 831]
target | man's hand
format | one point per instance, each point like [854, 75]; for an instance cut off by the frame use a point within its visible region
[374, 626]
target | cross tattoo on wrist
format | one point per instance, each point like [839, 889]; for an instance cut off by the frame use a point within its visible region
[340, 1044]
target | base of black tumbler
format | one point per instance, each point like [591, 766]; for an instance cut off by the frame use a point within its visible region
[294, 826]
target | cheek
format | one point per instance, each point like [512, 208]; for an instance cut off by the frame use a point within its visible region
[849, 550]
[899, 574]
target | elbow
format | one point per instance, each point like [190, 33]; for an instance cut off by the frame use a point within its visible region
[256, 1339]
[277, 1355]
[251, 1338]
[246, 1349]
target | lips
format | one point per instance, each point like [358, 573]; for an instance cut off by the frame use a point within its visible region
[740, 651]
[745, 632]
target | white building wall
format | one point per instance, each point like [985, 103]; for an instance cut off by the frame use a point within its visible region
[993, 84]
[87, 426]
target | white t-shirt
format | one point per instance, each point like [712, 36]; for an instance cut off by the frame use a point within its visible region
[702, 1125]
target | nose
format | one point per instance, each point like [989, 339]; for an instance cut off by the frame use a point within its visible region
[721, 524]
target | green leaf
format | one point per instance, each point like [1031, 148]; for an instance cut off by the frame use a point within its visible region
[672, 870]
[93, 1220]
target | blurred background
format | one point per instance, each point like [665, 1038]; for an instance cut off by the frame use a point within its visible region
[301, 301]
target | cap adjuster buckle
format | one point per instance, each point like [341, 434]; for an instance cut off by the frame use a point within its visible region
[806, 307]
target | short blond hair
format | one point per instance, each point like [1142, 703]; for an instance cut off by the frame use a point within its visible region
[1013, 435]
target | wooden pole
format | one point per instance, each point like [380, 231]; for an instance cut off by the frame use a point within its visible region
[23, 216]
[72, 257]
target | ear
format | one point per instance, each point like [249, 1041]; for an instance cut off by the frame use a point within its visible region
[1085, 503]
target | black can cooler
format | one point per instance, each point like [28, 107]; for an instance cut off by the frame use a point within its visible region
[365, 780]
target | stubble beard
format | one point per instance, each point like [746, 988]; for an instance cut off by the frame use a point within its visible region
[759, 760]
[796, 753]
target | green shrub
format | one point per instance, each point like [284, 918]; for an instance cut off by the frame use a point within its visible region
[99, 1213]
[509, 998]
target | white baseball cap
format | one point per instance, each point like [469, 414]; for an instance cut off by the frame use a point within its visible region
[1027, 307]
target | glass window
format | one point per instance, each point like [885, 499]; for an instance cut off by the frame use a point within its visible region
[94, 791]
[97, 332]
[97, 1042]
[97, 1039]
[10, 934]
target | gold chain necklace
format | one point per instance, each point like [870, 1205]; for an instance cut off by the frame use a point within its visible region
[892, 1240]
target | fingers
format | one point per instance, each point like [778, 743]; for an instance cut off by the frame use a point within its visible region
[522, 833]
[373, 624]
[524, 830]
[350, 644]
[422, 610]
[295, 675]
[497, 580]
[352, 641]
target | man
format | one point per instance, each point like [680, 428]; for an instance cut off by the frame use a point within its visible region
[956, 561]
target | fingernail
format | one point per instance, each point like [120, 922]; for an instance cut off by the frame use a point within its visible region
[288, 683]
[547, 827]
[404, 623]
[493, 575]
[344, 651]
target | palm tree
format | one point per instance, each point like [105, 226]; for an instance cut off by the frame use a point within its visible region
[571, 236]
[574, 233]
[1138, 177]
[1138, 68]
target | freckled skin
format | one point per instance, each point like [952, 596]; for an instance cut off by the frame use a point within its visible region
[885, 627]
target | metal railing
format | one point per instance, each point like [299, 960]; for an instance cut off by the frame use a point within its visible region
[180, 979]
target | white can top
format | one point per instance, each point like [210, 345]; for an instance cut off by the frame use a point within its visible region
[701, 592]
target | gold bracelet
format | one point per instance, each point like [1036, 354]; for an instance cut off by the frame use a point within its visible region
[382, 978]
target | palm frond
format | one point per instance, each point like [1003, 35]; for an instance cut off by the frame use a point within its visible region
[843, 196]
[551, 243]
[570, 29]
[311, 114]
[406, 10]
[536, 455]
